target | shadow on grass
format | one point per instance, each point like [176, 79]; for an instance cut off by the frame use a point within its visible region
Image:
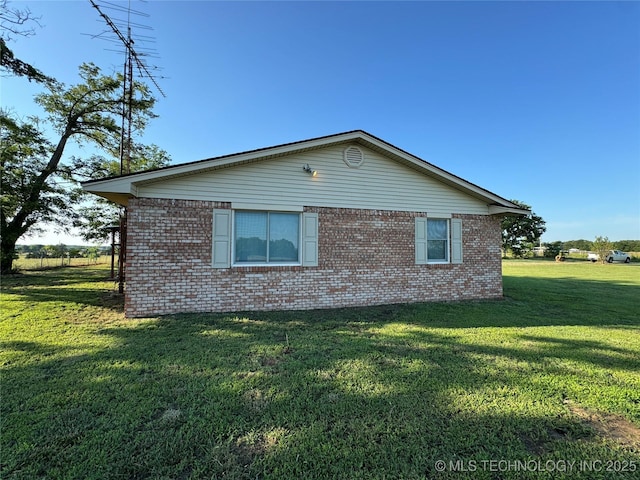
[382, 392]
[303, 395]
[531, 302]
[72, 285]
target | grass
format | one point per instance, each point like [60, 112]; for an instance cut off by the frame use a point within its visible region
[23, 263]
[548, 376]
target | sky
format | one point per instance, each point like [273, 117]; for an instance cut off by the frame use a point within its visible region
[534, 101]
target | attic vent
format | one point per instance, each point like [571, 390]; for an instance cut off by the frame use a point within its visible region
[354, 157]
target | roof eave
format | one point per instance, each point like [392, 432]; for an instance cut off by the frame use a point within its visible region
[121, 188]
[507, 210]
[115, 189]
[172, 171]
[438, 173]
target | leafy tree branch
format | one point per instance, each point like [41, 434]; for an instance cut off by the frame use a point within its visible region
[520, 233]
[32, 165]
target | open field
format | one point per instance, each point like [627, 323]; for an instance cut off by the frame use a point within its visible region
[543, 384]
[22, 263]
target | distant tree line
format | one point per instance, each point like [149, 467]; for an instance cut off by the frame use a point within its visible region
[586, 245]
[61, 250]
[600, 245]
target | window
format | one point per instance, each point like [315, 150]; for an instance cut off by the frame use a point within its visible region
[263, 237]
[266, 237]
[438, 240]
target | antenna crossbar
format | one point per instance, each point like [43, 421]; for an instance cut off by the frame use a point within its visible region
[128, 43]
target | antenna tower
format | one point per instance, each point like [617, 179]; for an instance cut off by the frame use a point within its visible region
[131, 57]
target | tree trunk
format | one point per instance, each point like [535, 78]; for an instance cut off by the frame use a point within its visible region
[20, 223]
[7, 254]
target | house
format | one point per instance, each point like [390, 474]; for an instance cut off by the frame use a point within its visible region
[337, 221]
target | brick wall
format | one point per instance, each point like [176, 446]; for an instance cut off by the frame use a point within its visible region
[366, 257]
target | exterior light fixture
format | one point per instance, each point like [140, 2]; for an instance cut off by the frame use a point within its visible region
[309, 170]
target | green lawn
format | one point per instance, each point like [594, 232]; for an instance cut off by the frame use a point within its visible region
[542, 384]
[22, 263]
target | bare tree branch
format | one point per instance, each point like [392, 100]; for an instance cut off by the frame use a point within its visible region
[14, 21]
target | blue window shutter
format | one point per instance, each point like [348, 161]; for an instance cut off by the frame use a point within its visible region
[221, 238]
[421, 241]
[310, 239]
[456, 240]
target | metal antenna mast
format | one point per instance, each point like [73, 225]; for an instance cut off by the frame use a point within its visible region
[131, 57]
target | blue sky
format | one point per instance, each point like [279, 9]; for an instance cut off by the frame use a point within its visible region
[534, 101]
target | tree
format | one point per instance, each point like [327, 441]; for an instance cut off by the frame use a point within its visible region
[579, 244]
[49, 251]
[60, 252]
[520, 233]
[93, 254]
[15, 22]
[627, 245]
[601, 246]
[35, 252]
[86, 112]
[24, 152]
[552, 249]
[98, 214]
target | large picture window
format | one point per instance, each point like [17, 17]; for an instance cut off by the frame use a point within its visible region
[266, 237]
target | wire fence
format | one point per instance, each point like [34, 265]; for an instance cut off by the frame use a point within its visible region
[44, 263]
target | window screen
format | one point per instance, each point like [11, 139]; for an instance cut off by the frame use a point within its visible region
[266, 237]
[437, 240]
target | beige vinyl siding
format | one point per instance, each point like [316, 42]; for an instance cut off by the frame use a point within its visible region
[380, 183]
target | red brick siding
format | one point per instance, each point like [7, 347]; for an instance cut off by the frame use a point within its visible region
[366, 257]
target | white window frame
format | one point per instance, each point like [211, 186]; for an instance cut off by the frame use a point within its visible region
[266, 263]
[454, 241]
[222, 241]
[447, 258]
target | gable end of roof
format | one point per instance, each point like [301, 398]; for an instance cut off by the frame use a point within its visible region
[120, 188]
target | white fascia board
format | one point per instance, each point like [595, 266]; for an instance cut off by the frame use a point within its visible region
[238, 158]
[502, 210]
[115, 185]
[128, 184]
[214, 163]
[118, 190]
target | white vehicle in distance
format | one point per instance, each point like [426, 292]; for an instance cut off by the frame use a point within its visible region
[612, 256]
